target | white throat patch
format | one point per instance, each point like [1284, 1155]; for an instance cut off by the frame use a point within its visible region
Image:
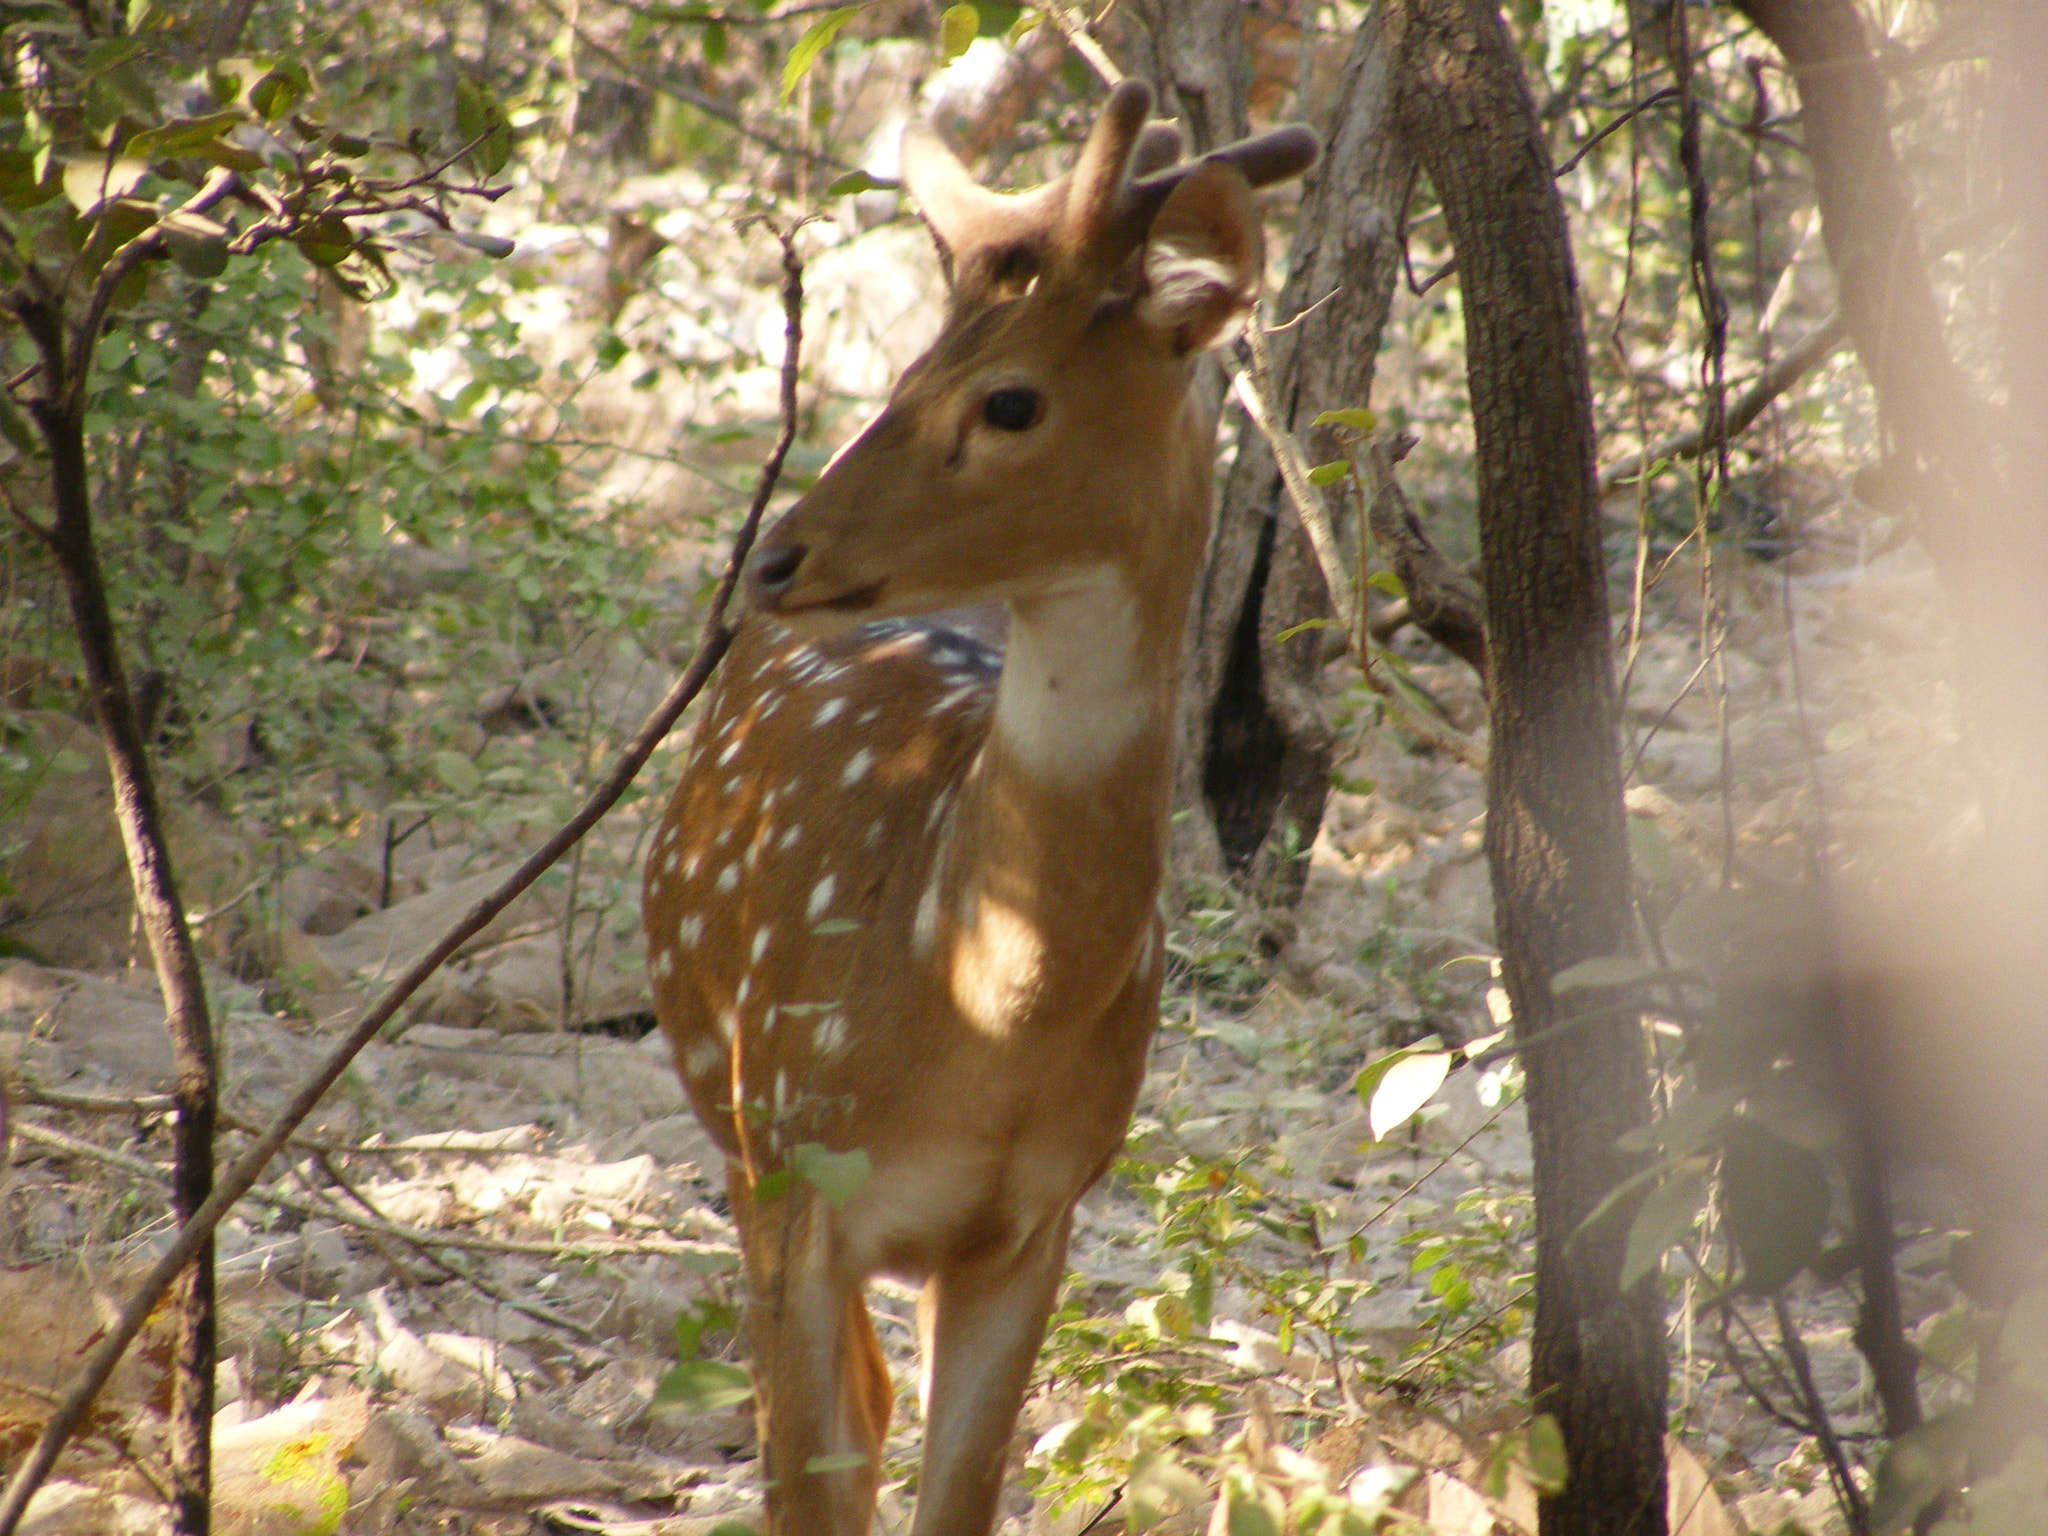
[1072, 696]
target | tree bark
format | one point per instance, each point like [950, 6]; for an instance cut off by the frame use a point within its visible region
[1255, 750]
[1555, 838]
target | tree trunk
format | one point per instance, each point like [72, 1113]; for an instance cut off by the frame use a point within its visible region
[1929, 412]
[1555, 838]
[1254, 748]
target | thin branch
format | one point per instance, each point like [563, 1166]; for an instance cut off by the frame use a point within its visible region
[1083, 42]
[218, 185]
[1252, 387]
[715, 638]
[1800, 359]
[1669, 93]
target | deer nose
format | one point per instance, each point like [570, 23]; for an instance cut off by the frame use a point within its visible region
[771, 571]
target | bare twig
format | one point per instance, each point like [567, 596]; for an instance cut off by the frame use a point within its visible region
[1854, 1507]
[1252, 386]
[715, 638]
[1800, 359]
[1082, 42]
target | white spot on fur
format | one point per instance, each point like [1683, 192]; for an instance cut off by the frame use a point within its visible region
[690, 866]
[732, 750]
[828, 1035]
[789, 837]
[689, 931]
[872, 838]
[664, 965]
[924, 928]
[821, 898]
[761, 936]
[728, 878]
[828, 711]
[726, 1023]
[865, 716]
[857, 767]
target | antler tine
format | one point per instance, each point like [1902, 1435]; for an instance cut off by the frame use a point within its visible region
[1159, 146]
[1278, 155]
[965, 214]
[1095, 185]
[1268, 158]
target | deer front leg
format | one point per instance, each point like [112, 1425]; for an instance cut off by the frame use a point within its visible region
[822, 1393]
[980, 1322]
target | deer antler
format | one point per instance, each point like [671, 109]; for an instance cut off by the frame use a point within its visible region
[1086, 223]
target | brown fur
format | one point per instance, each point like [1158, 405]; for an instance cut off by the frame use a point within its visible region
[906, 907]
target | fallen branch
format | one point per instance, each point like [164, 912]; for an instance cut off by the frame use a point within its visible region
[715, 638]
[1800, 359]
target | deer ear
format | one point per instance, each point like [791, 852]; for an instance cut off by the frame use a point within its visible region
[1203, 260]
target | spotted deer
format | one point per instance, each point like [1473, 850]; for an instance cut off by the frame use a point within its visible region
[902, 911]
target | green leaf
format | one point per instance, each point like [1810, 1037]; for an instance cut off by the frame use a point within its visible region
[692, 1323]
[1303, 628]
[91, 180]
[1387, 582]
[458, 772]
[1688, 1127]
[715, 40]
[1550, 1468]
[20, 186]
[1358, 420]
[810, 45]
[15, 428]
[327, 241]
[1605, 971]
[497, 247]
[835, 1175]
[958, 27]
[1775, 1197]
[197, 244]
[181, 136]
[844, 1461]
[705, 1386]
[481, 123]
[1663, 1220]
[279, 91]
[850, 183]
[1258, 1510]
[1403, 1087]
[1330, 473]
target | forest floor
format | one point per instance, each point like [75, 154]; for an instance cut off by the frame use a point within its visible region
[460, 1288]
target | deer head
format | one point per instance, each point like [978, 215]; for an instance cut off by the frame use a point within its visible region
[1041, 433]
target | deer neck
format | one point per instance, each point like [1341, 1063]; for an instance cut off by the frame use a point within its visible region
[1050, 865]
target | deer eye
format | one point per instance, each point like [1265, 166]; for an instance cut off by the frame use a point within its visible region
[1013, 410]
